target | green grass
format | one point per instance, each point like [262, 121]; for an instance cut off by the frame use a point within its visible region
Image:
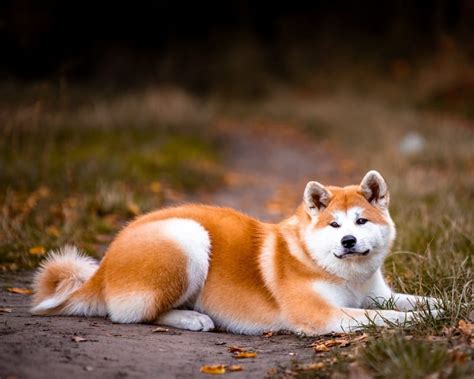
[395, 356]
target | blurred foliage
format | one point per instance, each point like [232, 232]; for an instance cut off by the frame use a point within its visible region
[75, 174]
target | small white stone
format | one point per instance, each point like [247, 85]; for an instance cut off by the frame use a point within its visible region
[412, 143]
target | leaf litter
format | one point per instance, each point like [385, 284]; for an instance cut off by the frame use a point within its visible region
[241, 353]
[21, 291]
[220, 369]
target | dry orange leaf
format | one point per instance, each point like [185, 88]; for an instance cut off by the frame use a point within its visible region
[37, 250]
[320, 348]
[213, 369]
[466, 328]
[245, 354]
[21, 291]
[234, 368]
[6, 310]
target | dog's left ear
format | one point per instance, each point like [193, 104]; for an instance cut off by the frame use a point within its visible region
[374, 189]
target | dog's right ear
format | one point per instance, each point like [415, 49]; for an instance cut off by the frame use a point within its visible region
[316, 197]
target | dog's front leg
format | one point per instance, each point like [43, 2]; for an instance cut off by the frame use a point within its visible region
[406, 302]
[313, 315]
[351, 319]
[380, 292]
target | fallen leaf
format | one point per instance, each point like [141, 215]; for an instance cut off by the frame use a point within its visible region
[37, 250]
[160, 330]
[245, 354]
[323, 345]
[79, 339]
[21, 291]
[466, 328]
[234, 368]
[6, 310]
[268, 334]
[213, 369]
[320, 348]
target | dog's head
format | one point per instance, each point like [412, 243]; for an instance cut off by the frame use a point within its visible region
[350, 230]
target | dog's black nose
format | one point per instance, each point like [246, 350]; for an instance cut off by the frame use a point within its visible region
[348, 241]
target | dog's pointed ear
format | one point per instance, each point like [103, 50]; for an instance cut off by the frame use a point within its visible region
[316, 197]
[375, 190]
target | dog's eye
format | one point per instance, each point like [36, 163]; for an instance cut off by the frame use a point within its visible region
[334, 224]
[361, 221]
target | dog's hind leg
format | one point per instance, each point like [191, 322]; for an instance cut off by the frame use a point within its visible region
[155, 267]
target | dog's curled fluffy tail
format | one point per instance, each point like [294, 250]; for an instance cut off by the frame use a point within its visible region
[67, 283]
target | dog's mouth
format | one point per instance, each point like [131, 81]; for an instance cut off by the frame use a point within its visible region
[352, 253]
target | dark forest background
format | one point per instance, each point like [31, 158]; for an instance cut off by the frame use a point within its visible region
[201, 45]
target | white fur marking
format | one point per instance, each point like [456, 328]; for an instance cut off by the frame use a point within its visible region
[350, 295]
[195, 243]
[130, 307]
[266, 261]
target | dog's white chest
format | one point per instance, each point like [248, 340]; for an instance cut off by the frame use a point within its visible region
[348, 295]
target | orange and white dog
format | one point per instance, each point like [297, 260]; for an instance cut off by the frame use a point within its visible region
[196, 267]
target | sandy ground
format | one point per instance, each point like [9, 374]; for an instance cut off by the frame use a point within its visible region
[266, 176]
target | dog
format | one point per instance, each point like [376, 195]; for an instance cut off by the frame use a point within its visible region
[198, 267]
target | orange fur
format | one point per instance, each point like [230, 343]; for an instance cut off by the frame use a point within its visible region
[345, 198]
[143, 260]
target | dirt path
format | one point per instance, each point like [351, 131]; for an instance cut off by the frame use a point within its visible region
[267, 172]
